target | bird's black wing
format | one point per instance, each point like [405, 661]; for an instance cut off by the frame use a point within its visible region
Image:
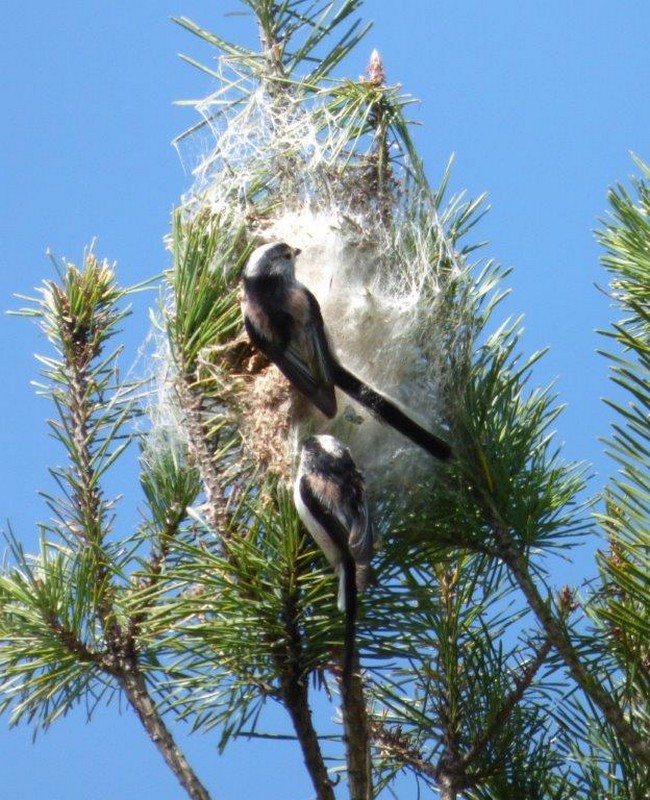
[301, 350]
[354, 504]
[327, 519]
[336, 530]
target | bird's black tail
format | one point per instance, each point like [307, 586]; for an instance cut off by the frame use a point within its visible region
[349, 643]
[388, 412]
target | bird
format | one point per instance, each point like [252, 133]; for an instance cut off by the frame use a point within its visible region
[283, 321]
[331, 500]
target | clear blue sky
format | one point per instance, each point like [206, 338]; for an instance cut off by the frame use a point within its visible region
[541, 102]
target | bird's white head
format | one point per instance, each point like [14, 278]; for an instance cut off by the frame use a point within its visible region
[330, 445]
[275, 259]
[321, 449]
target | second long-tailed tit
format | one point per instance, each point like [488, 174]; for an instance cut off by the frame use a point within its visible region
[330, 497]
[284, 321]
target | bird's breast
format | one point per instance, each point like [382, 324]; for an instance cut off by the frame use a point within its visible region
[298, 305]
[257, 317]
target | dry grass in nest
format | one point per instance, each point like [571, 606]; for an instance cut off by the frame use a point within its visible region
[267, 407]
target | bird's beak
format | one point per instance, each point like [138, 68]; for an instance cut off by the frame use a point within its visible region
[297, 251]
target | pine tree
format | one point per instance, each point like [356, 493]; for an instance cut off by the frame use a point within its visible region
[473, 677]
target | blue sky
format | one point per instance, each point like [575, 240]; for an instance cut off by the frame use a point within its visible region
[541, 103]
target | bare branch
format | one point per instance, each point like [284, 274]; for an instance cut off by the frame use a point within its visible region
[357, 737]
[134, 686]
[295, 694]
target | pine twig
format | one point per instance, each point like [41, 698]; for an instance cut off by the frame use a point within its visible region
[81, 334]
[395, 743]
[509, 703]
[83, 317]
[121, 662]
[295, 695]
[451, 775]
[132, 682]
[72, 642]
[357, 736]
[190, 402]
[511, 555]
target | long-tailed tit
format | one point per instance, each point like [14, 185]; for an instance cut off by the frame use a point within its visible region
[330, 497]
[284, 321]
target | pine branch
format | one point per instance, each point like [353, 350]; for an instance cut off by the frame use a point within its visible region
[451, 775]
[241, 638]
[72, 643]
[392, 742]
[295, 696]
[621, 609]
[208, 253]
[170, 486]
[511, 555]
[132, 682]
[79, 316]
[295, 699]
[81, 345]
[357, 736]
[508, 705]
[203, 450]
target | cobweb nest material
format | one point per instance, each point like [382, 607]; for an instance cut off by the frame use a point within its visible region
[377, 283]
[374, 323]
